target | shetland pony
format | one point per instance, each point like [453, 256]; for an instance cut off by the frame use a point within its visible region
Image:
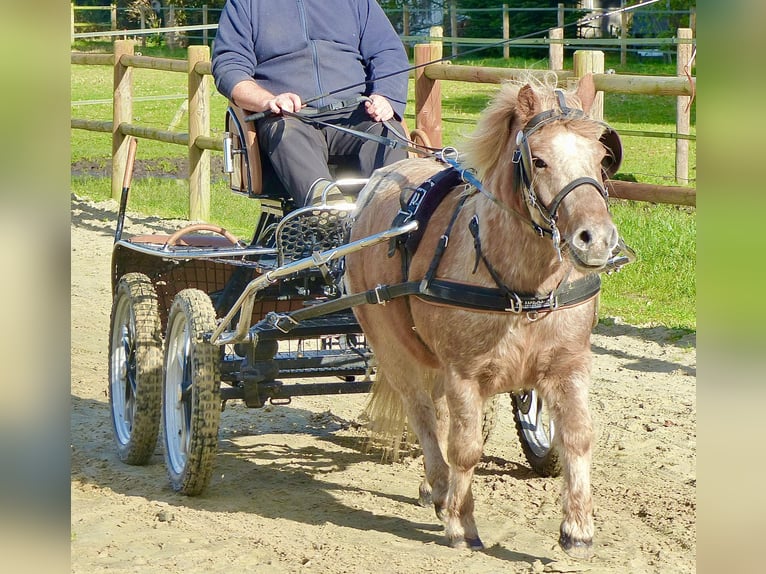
[532, 230]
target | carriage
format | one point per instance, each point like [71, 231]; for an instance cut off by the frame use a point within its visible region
[200, 317]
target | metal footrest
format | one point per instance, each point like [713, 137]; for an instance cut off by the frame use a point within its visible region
[309, 230]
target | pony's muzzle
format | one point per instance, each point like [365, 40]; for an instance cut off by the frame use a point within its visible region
[592, 244]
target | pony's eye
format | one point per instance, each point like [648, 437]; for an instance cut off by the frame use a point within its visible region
[539, 164]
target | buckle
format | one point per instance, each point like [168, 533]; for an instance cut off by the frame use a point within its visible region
[378, 289]
[516, 305]
[282, 323]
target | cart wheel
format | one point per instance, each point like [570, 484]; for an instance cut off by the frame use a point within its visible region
[135, 368]
[191, 406]
[536, 432]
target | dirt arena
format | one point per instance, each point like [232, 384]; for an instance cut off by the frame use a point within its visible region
[293, 489]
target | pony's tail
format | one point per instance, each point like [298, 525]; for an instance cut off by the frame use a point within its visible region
[387, 421]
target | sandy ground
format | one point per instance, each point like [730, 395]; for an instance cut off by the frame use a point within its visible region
[295, 491]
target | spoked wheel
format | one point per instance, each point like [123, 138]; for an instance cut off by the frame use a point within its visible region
[536, 431]
[191, 405]
[135, 368]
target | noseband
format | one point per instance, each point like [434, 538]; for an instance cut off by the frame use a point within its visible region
[524, 165]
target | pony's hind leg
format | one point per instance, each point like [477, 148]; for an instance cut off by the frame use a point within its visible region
[574, 433]
[434, 487]
[441, 412]
[402, 391]
[464, 451]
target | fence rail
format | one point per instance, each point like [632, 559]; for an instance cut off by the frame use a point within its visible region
[200, 143]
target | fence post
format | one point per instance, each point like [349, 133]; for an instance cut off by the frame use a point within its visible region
[406, 26]
[71, 22]
[199, 125]
[170, 37]
[591, 62]
[506, 32]
[556, 49]
[623, 36]
[122, 112]
[113, 16]
[143, 26]
[204, 23]
[428, 97]
[453, 24]
[560, 15]
[683, 108]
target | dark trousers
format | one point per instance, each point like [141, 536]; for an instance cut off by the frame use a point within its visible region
[299, 152]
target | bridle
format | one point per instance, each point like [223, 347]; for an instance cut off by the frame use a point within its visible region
[543, 218]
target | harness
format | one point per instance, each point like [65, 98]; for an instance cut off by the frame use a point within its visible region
[424, 201]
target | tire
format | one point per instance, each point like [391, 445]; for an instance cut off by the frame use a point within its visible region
[135, 368]
[191, 401]
[536, 433]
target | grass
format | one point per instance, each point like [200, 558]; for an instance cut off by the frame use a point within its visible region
[658, 289]
[660, 286]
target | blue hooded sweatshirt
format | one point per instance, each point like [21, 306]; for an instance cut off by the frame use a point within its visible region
[311, 47]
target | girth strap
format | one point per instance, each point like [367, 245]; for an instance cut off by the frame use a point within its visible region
[452, 293]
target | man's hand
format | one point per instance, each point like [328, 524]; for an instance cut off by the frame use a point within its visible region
[378, 108]
[252, 98]
[287, 102]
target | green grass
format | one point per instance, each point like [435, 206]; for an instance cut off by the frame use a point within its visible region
[660, 286]
[658, 289]
[169, 199]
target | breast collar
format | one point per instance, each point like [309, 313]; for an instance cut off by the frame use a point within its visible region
[420, 206]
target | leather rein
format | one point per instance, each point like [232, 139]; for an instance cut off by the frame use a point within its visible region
[427, 197]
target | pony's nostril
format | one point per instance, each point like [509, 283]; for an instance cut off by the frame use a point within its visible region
[584, 238]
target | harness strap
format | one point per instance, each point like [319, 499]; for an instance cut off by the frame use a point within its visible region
[440, 291]
[497, 300]
[553, 207]
[382, 140]
[442, 245]
[572, 292]
[380, 295]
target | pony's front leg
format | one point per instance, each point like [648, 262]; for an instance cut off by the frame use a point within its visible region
[574, 433]
[464, 450]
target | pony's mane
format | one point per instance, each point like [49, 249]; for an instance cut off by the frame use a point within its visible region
[490, 141]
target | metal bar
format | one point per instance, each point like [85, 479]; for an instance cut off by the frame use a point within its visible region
[247, 298]
[310, 389]
[176, 252]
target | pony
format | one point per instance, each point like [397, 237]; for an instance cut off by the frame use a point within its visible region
[501, 291]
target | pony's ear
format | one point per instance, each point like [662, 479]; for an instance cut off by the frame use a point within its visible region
[586, 91]
[527, 104]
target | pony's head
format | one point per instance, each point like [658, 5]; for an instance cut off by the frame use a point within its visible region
[537, 150]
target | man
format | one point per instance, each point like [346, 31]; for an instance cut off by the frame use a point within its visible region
[274, 55]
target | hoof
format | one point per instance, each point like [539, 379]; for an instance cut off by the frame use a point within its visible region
[424, 498]
[580, 549]
[470, 543]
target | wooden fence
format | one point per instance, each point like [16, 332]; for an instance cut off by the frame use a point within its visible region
[428, 101]
[427, 109]
[198, 140]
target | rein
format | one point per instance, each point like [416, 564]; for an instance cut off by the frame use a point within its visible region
[427, 197]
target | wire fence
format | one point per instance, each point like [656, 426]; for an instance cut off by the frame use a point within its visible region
[643, 34]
